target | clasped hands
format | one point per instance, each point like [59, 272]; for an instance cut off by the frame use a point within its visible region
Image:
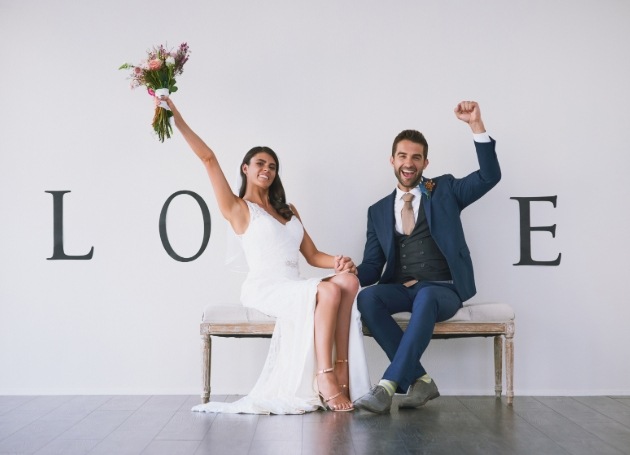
[344, 264]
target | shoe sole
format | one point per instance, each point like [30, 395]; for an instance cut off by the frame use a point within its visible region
[411, 406]
[385, 411]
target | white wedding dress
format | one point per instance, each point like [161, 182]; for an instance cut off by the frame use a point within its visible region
[273, 286]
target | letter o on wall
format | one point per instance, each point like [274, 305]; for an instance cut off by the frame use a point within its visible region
[206, 226]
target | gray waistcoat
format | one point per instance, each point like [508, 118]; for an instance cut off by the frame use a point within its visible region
[418, 256]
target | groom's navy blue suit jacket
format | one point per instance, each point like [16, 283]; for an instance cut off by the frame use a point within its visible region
[448, 198]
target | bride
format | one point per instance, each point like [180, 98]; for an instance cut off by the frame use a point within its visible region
[316, 357]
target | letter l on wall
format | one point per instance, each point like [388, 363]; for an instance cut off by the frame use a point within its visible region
[58, 252]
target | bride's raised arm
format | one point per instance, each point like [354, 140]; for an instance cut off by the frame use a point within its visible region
[233, 208]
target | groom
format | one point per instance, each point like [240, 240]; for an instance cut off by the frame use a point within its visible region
[415, 234]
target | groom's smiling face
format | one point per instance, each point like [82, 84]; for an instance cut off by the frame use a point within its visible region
[409, 161]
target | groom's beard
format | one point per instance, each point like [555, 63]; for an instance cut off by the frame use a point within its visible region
[406, 182]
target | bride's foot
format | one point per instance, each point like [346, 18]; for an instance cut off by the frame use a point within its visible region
[342, 374]
[330, 392]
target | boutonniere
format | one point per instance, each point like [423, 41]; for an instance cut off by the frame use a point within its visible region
[426, 187]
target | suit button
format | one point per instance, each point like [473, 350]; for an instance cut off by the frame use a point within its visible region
[402, 246]
[420, 241]
[421, 252]
[404, 255]
[422, 265]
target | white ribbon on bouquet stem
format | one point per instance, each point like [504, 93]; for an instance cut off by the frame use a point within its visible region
[159, 93]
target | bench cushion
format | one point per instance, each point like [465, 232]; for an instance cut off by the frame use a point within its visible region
[478, 312]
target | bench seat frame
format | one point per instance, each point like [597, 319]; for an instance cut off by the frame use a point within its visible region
[502, 332]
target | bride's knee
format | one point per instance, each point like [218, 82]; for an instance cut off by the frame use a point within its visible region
[348, 281]
[328, 291]
[355, 285]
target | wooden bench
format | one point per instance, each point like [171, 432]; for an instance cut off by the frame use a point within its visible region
[479, 320]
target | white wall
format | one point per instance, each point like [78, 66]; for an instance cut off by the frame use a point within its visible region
[327, 85]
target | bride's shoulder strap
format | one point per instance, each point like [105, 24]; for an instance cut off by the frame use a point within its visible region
[254, 209]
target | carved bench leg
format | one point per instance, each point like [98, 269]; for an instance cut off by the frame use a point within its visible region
[498, 366]
[206, 362]
[509, 362]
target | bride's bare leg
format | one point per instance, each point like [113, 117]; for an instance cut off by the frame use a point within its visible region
[349, 286]
[326, 310]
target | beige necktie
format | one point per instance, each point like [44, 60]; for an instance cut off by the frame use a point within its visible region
[406, 214]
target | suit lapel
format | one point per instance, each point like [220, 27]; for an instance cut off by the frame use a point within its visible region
[425, 202]
[389, 223]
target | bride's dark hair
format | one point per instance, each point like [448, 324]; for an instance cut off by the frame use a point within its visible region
[277, 198]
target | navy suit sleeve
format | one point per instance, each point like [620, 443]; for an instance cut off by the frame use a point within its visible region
[475, 185]
[370, 269]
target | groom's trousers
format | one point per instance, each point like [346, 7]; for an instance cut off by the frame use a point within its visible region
[428, 302]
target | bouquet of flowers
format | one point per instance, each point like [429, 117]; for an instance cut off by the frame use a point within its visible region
[157, 73]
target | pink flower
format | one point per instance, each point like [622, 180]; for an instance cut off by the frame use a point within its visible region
[151, 92]
[155, 64]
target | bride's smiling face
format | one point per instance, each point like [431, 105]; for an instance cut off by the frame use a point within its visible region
[261, 170]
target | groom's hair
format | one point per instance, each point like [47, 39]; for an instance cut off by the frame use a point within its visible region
[277, 197]
[413, 136]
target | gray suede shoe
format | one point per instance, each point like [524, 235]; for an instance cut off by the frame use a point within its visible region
[419, 393]
[376, 400]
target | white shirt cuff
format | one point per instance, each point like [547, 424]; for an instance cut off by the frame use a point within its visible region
[481, 137]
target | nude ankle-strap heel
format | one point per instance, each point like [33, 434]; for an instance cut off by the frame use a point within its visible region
[344, 386]
[326, 400]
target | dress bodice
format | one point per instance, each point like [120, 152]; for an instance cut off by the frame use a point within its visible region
[271, 248]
